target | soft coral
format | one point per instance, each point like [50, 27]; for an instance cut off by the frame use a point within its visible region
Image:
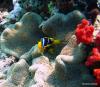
[96, 73]
[84, 32]
[93, 58]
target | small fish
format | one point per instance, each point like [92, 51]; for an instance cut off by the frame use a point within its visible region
[47, 43]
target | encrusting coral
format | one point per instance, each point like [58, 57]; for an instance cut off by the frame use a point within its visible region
[22, 33]
[17, 75]
[59, 24]
[41, 70]
[32, 53]
[21, 36]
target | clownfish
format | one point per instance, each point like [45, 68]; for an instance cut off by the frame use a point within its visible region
[47, 44]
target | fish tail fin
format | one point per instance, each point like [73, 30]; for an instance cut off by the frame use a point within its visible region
[57, 42]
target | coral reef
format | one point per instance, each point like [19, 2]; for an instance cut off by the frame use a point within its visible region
[76, 55]
[6, 63]
[32, 53]
[11, 34]
[97, 25]
[65, 70]
[17, 11]
[41, 70]
[6, 4]
[84, 32]
[92, 42]
[47, 74]
[21, 36]
[33, 24]
[58, 25]
[17, 75]
[64, 6]
[14, 15]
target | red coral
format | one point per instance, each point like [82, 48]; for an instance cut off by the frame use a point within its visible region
[85, 22]
[96, 73]
[93, 58]
[84, 32]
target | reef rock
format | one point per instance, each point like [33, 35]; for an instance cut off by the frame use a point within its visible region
[38, 6]
[61, 73]
[97, 25]
[17, 75]
[41, 70]
[73, 74]
[59, 25]
[31, 54]
[17, 11]
[14, 15]
[70, 45]
[6, 63]
[70, 67]
[18, 38]
[76, 54]
[2, 55]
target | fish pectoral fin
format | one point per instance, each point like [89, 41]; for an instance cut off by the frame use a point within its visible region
[48, 45]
